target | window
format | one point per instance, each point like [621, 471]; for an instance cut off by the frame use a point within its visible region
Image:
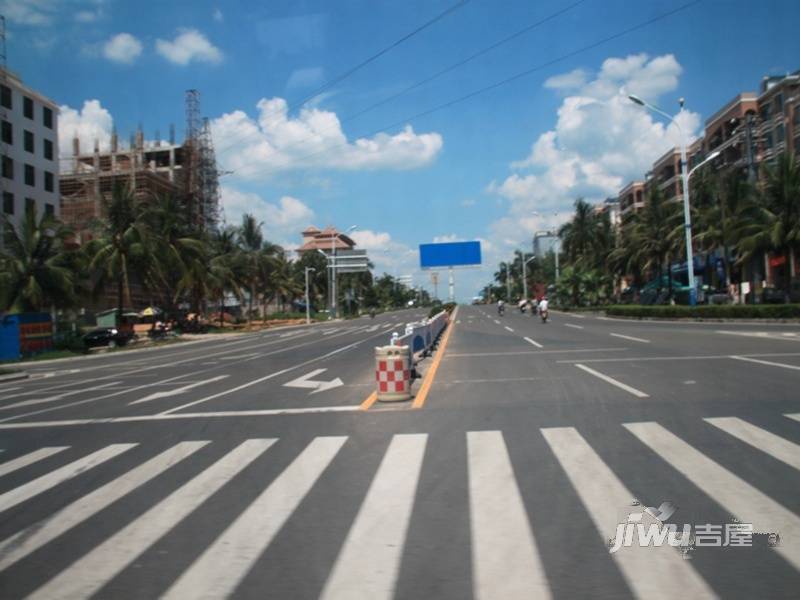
[49, 210]
[7, 133]
[779, 134]
[778, 103]
[28, 141]
[48, 181]
[30, 204]
[8, 203]
[768, 143]
[48, 149]
[5, 96]
[27, 107]
[8, 168]
[48, 117]
[30, 175]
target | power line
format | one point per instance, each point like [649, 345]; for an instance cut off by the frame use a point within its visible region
[508, 80]
[439, 73]
[342, 76]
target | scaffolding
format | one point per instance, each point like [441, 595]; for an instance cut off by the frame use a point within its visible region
[201, 164]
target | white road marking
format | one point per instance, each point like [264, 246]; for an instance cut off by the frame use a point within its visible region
[603, 495]
[305, 382]
[735, 495]
[30, 458]
[573, 326]
[169, 416]
[177, 391]
[53, 478]
[369, 561]
[630, 337]
[795, 416]
[505, 560]
[89, 573]
[507, 328]
[684, 357]
[496, 321]
[769, 335]
[767, 362]
[530, 341]
[526, 352]
[32, 538]
[36, 401]
[217, 572]
[577, 316]
[763, 440]
[612, 381]
[241, 356]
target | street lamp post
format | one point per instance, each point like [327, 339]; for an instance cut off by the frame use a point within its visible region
[508, 283]
[308, 305]
[333, 268]
[525, 275]
[687, 217]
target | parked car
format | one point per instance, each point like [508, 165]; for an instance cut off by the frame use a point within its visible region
[106, 336]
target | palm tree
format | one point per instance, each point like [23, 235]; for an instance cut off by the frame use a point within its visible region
[36, 271]
[123, 244]
[284, 285]
[653, 234]
[579, 236]
[250, 241]
[775, 222]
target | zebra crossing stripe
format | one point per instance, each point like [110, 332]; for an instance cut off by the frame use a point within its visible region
[88, 574]
[34, 537]
[505, 561]
[52, 479]
[369, 561]
[29, 459]
[767, 442]
[217, 572]
[737, 496]
[603, 495]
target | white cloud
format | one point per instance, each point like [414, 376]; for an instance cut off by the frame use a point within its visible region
[189, 45]
[282, 220]
[306, 77]
[29, 12]
[256, 148]
[92, 122]
[122, 48]
[388, 255]
[218, 16]
[601, 141]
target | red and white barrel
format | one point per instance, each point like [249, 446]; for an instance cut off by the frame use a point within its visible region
[392, 373]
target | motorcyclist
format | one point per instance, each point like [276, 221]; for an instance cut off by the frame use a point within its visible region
[522, 305]
[371, 313]
[543, 309]
[501, 306]
[534, 307]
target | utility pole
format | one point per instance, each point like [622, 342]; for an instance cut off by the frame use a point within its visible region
[508, 283]
[308, 304]
[525, 275]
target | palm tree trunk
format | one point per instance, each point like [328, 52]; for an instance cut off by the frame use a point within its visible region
[222, 310]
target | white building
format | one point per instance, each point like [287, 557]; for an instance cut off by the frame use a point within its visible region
[29, 149]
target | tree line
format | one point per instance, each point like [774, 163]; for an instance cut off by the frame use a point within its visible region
[737, 219]
[152, 243]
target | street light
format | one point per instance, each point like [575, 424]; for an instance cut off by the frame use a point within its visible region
[687, 217]
[333, 268]
[308, 306]
[525, 275]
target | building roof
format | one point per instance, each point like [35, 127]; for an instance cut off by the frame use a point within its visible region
[14, 79]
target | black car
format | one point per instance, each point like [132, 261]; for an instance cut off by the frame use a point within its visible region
[106, 336]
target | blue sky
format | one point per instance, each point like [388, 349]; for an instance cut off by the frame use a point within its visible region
[479, 169]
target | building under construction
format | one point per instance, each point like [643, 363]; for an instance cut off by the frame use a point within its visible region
[187, 171]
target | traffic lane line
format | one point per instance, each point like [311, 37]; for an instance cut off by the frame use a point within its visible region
[612, 381]
[681, 357]
[422, 395]
[272, 375]
[630, 337]
[530, 341]
[766, 362]
[573, 326]
[530, 352]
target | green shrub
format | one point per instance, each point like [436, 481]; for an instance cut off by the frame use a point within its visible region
[721, 311]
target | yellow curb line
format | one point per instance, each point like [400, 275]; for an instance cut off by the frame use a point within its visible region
[419, 401]
[369, 401]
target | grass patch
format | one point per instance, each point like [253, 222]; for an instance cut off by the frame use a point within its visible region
[722, 311]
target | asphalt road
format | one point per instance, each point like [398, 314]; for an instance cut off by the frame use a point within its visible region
[195, 471]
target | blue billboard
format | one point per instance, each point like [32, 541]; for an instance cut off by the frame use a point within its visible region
[449, 254]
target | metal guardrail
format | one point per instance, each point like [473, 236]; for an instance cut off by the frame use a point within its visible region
[421, 336]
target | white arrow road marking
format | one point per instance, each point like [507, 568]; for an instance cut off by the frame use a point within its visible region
[373, 328]
[318, 386]
[177, 391]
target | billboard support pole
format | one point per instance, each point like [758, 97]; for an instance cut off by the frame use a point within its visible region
[451, 285]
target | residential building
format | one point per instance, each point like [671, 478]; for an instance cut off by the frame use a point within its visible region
[729, 131]
[666, 175]
[631, 199]
[610, 206]
[778, 121]
[326, 240]
[544, 242]
[29, 149]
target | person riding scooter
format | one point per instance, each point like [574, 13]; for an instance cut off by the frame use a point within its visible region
[543, 309]
[501, 307]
